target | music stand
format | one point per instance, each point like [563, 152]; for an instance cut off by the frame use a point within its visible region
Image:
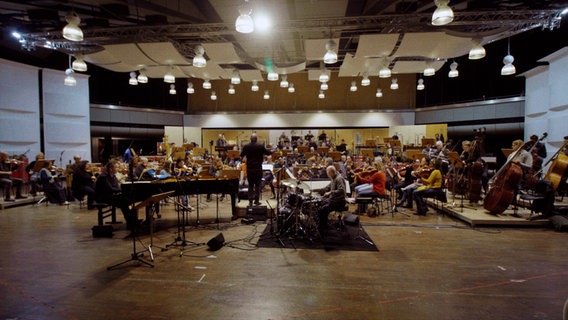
[137, 255]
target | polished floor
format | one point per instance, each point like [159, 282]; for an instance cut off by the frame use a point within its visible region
[432, 267]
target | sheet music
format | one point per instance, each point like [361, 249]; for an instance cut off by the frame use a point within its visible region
[267, 167]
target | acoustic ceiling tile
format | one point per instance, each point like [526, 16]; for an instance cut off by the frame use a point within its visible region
[376, 45]
[163, 53]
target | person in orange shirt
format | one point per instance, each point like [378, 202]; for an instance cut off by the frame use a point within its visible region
[378, 181]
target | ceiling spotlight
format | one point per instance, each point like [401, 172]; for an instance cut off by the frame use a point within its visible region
[173, 89]
[394, 84]
[272, 76]
[142, 77]
[477, 51]
[420, 85]
[169, 76]
[284, 82]
[190, 89]
[365, 81]
[266, 95]
[199, 60]
[508, 68]
[379, 93]
[72, 31]
[69, 79]
[254, 86]
[244, 23]
[321, 95]
[213, 96]
[79, 64]
[330, 56]
[231, 89]
[235, 78]
[453, 70]
[291, 88]
[324, 86]
[443, 13]
[133, 81]
[353, 87]
[206, 84]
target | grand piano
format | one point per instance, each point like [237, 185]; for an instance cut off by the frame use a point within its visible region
[139, 191]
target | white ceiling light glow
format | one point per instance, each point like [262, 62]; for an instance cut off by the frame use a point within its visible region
[443, 13]
[244, 23]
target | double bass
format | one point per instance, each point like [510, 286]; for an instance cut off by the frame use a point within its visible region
[558, 167]
[503, 185]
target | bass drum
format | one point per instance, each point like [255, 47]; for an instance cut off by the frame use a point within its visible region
[293, 200]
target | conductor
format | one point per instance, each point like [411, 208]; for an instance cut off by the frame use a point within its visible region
[254, 153]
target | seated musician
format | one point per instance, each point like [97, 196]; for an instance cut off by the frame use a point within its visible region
[84, 183]
[373, 186]
[432, 185]
[406, 180]
[268, 177]
[333, 197]
[141, 171]
[7, 180]
[538, 152]
[423, 169]
[34, 176]
[107, 190]
[52, 186]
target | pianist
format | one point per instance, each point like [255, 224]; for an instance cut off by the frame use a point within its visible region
[107, 190]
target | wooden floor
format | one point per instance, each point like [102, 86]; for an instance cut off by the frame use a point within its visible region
[431, 267]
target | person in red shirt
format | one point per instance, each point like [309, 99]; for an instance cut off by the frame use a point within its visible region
[378, 180]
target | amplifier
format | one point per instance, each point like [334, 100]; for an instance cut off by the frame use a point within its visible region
[257, 212]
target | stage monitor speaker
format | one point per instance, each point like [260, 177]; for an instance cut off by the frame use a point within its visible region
[216, 242]
[259, 213]
[351, 219]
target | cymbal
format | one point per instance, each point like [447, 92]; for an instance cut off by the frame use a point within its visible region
[289, 183]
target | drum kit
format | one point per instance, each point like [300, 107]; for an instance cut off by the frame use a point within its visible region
[298, 213]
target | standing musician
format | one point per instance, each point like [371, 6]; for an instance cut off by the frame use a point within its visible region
[6, 179]
[254, 153]
[473, 169]
[538, 152]
[523, 158]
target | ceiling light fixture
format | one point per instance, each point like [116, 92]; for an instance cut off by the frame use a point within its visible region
[190, 88]
[429, 70]
[365, 81]
[266, 95]
[353, 87]
[453, 70]
[69, 79]
[321, 95]
[385, 72]
[254, 86]
[443, 13]
[79, 64]
[420, 85]
[508, 68]
[284, 82]
[142, 77]
[231, 89]
[379, 93]
[272, 76]
[169, 76]
[291, 88]
[394, 84]
[324, 86]
[72, 31]
[213, 96]
[330, 56]
[235, 78]
[206, 84]
[199, 60]
[133, 81]
[477, 51]
[173, 89]
[244, 23]
[324, 76]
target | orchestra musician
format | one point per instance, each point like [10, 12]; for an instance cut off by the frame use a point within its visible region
[333, 198]
[7, 180]
[34, 176]
[377, 182]
[431, 185]
[422, 170]
[83, 183]
[407, 179]
[107, 190]
[221, 143]
[538, 152]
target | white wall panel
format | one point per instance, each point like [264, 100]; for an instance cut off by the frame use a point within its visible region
[558, 79]
[19, 108]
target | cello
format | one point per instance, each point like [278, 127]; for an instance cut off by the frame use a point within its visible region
[503, 185]
[558, 167]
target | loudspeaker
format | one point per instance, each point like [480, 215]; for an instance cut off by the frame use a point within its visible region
[351, 219]
[259, 213]
[216, 242]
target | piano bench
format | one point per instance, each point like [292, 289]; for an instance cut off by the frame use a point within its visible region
[105, 210]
